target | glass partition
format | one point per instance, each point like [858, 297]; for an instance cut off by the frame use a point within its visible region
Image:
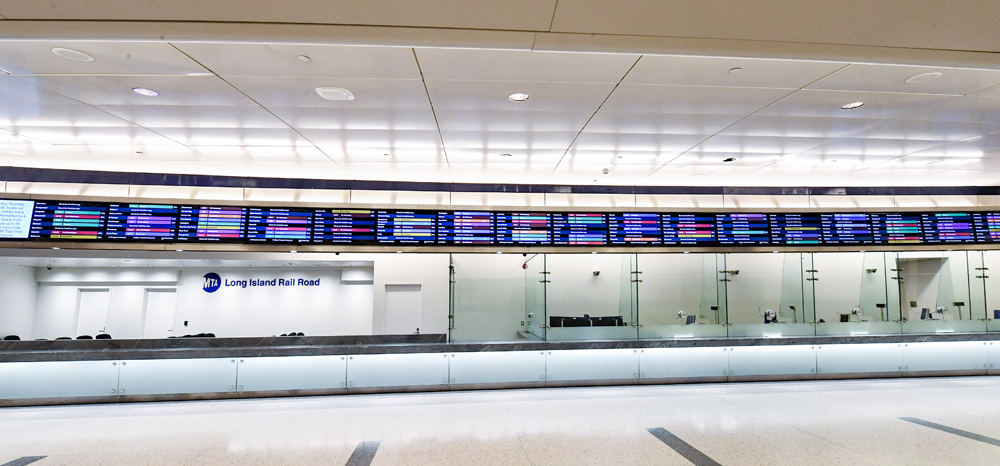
[933, 286]
[534, 278]
[986, 277]
[765, 293]
[488, 297]
[589, 297]
[678, 296]
[851, 292]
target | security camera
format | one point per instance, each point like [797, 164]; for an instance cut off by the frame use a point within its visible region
[597, 272]
[48, 266]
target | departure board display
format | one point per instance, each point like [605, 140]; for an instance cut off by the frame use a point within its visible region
[279, 225]
[987, 227]
[796, 229]
[523, 228]
[847, 228]
[68, 220]
[465, 227]
[344, 226]
[742, 229]
[948, 227]
[901, 228]
[688, 229]
[15, 219]
[141, 222]
[211, 224]
[406, 227]
[634, 229]
[579, 229]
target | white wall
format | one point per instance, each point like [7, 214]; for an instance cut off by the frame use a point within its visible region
[17, 300]
[430, 271]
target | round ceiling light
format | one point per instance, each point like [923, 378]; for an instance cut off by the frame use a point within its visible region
[518, 97]
[852, 105]
[71, 54]
[334, 93]
[145, 92]
[923, 78]
[735, 70]
[304, 58]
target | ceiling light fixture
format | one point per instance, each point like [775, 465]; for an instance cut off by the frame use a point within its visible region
[293, 251]
[145, 92]
[506, 155]
[14, 152]
[71, 54]
[334, 93]
[923, 78]
[304, 58]
[605, 171]
[735, 70]
[730, 159]
[852, 105]
[518, 97]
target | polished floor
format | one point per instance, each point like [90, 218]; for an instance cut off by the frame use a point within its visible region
[947, 421]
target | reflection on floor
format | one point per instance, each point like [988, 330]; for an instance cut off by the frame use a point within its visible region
[948, 421]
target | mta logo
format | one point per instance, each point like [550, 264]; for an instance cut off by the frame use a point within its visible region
[212, 282]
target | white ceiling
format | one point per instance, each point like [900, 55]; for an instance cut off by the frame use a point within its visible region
[442, 115]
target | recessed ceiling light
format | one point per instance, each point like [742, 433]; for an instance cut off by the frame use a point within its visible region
[506, 155]
[180, 250]
[385, 155]
[71, 54]
[605, 171]
[735, 70]
[145, 92]
[304, 58]
[293, 251]
[55, 248]
[852, 105]
[923, 78]
[14, 152]
[730, 159]
[518, 97]
[334, 93]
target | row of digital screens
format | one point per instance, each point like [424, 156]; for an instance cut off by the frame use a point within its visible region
[45, 220]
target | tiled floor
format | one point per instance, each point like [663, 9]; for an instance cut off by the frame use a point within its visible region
[782, 423]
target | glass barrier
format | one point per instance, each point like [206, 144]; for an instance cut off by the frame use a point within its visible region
[488, 297]
[851, 293]
[934, 285]
[589, 297]
[678, 296]
[765, 293]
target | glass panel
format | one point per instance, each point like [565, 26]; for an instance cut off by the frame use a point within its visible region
[588, 297]
[534, 295]
[764, 290]
[991, 288]
[679, 296]
[933, 284]
[852, 294]
[489, 297]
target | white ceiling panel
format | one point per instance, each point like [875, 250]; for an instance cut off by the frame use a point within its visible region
[715, 71]
[570, 172]
[386, 118]
[879, 147]
[758, 144]
[717, 159]
[132, 58]
[198, 116]
[968, 108]
[508, 140]
[523, 66]
[312, 170]
[324, 61]
[86, 135]
[361, 139]
[690, 99]
[117, 90]
[141, 153]
[506, 172]
[511, 120]
[492, 95]
[693, 175]
[263, 154]
[926, 130]
[399, 171]
[194, 136]
[659, 143]
[877, 105]
[798, 127]
[892, 78]
[659, 123]
[608, 158]
[496, 157]
[301, 92]
[835, 164]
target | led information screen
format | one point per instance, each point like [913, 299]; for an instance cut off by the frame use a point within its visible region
[987, 227]
[901, 228]
[336, 226]
[688, 229]
[406, 227]
[847, 228]
[68, 220]
[278, 225]
[579, 229]
[634, 229]
[464, 227]
[523, 228]
[792, 229]
[15, 219]
[742, 229]
[141, 222]
[211, 224]
[948, 228]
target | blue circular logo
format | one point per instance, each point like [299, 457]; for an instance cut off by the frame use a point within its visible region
[212, 282]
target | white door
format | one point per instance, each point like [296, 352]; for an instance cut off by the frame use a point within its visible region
[92, 307]
[404, 309]
[160, 310]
